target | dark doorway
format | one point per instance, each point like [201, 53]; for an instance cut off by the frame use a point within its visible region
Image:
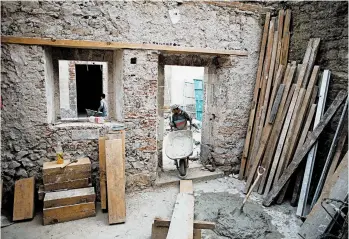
[89, 87]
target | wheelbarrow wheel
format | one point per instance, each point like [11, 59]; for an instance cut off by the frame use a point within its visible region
[182, 167]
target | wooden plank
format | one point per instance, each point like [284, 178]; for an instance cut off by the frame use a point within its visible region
[52, 168]
[115, 45]
[270, 130]
[164, 222]
[328, 161]
[23, 205]
[310, 141]
[276, 104]
[297, 97]
[72, 184]
[68, 213]
[102, 172]
[300, 173]
[311, 62]
[298, 119]
[257, 133]
[251, 120]
[266, 98]
[186, 186]
[288, 143]
[273, 59]
[115, 181]
[69, 197]
[286, 38]
[301, 208]
[70, 175]
[280, 26]
[276, 89]
[280, 145]
[182, 218]
[161, 232]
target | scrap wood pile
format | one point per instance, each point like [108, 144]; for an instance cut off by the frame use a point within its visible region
[286, 119]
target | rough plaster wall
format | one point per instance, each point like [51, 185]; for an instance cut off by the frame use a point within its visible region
[232, 92]
[24, 116]
[140, 115]
[200, 25]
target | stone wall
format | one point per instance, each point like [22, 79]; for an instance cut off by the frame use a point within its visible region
[29, 138]
[24, 116]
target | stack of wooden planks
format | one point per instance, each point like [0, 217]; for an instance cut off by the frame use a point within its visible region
[182, 224]
[112, 175]
[63, 206]
[74, 175]
[67, 192]
[288, 99]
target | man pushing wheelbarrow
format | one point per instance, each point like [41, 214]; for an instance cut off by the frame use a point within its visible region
[180, 141]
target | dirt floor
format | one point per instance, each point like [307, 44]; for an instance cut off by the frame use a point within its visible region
[215, 200]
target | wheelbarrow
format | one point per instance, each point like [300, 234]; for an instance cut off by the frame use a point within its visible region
[178, 147]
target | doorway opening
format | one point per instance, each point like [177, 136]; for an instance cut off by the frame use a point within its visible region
[183, 85]
[89, 87]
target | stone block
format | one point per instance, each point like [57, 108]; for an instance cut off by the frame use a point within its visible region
[86, 134]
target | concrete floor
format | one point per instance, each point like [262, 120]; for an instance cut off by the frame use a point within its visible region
[142, 207]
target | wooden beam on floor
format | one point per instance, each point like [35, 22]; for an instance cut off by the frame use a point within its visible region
[164, 222]
[115, 181]
[116, 45]
[183, 214]
[298, 157]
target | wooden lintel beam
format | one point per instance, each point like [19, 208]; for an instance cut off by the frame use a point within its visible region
[242, 6]
[116, 45]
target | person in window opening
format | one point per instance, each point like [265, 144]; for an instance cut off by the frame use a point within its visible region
[103, 106]
[180, 118]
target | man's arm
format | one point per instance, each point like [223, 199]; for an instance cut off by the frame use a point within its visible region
[187, 116]
[100, 107]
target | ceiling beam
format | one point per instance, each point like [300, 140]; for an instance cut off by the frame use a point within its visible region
[116, 45]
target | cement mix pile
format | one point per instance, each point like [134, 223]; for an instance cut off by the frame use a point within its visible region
[224, 209]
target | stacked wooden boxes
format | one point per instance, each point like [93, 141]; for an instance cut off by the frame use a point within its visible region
[68, 195]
